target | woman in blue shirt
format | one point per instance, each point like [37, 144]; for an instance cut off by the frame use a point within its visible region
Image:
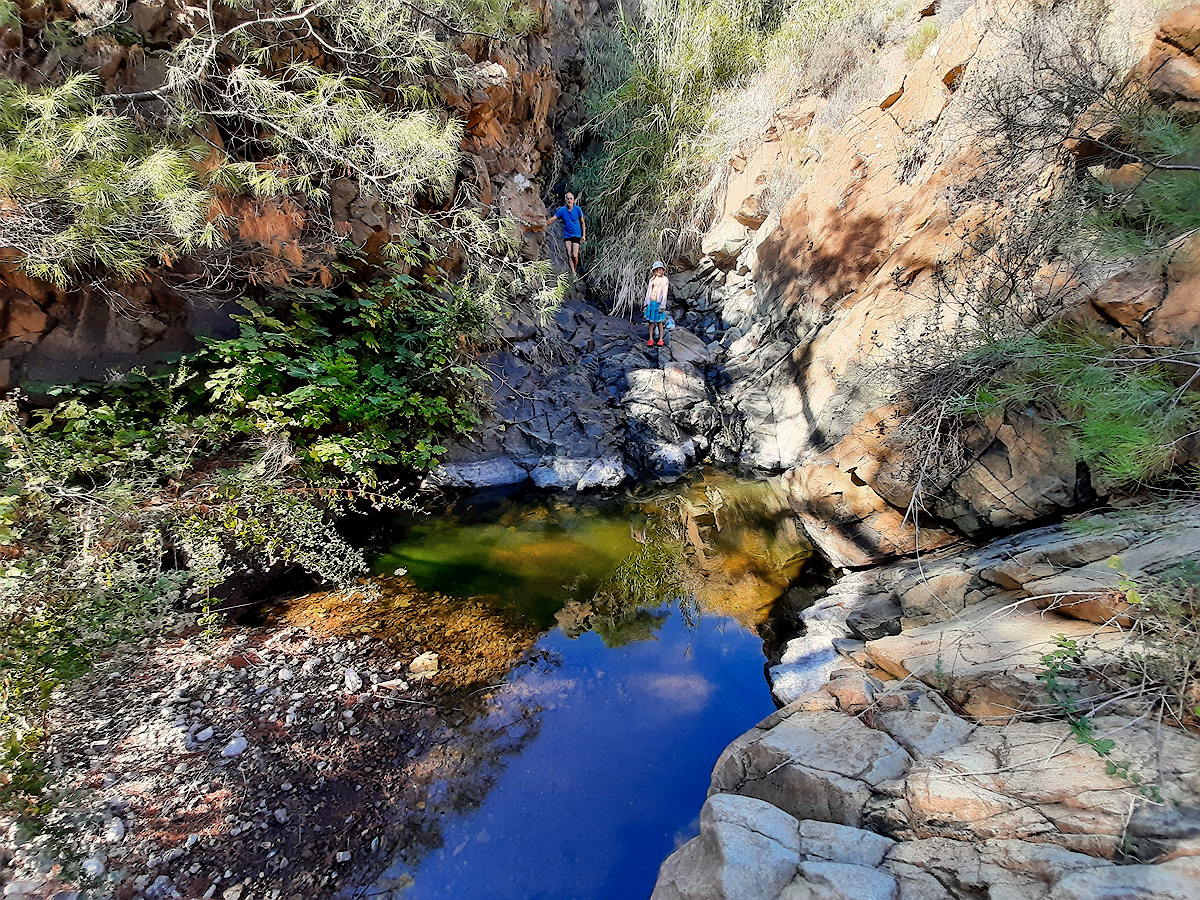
[574, 229]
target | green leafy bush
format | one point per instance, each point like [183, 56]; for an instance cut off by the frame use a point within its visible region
[130, 507]
[371, 376]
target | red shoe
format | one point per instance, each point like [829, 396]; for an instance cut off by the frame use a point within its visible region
[660, 343]
[650, 343]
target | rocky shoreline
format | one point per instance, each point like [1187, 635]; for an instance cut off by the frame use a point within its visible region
[290, 759]
[919, 756]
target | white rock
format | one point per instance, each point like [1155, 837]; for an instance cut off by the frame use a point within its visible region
[285, 674]
[747, 850]
[343, 856]
[115, 831]
[235, 747]
[204, 734]
[93, 866]
[424, 666]
[353, 681]
[22, 888]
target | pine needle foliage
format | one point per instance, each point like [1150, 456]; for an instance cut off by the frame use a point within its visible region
[1140, 207]
[83, 191]
[1124, 408]
[95, 185]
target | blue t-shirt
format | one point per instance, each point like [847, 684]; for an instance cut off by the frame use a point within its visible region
[571, 219]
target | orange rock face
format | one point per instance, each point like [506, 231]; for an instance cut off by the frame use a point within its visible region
[844, 277]
[511, 113]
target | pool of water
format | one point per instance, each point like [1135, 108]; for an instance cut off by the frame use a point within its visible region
[649, 665]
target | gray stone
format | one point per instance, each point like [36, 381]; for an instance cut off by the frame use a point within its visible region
[93, 866]
[840, 881]
[924, 733]
[236, 746]
[747, 850]
[669, 460]
[804, 666]
[1178, 880]
[162, 888]
[877, 617]
[560, 472]
[483, 473]
[818, 765]
[724, 244]
[608, 472]
[840, 843]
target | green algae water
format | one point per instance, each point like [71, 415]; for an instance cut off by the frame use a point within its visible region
[600, 742]
[529, 558]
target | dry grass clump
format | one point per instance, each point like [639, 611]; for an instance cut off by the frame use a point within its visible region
[683, 87]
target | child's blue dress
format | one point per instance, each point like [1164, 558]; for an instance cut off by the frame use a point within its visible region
[654, 312]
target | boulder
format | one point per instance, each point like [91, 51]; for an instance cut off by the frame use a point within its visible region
[987, 659]
[923, 733]
[842, 844]
[852, 523]
[560, 472]
[876, 618]
[484, 473]
[817, 765]
[1177, 879]
[608, 472]
[997, 784]
[840, 881]
[747, 850]
[725, 243]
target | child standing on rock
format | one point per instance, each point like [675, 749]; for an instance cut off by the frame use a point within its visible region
[656, 302]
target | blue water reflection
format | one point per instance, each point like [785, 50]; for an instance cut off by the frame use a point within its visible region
[597, 751]
[615, 778]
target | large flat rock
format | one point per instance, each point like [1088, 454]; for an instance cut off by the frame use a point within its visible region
[987, 658]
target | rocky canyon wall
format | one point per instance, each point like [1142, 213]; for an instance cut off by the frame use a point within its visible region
[825, 298]
[792, 320]
[525, 95]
